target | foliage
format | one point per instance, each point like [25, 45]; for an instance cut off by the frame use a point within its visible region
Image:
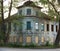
[52, 7]
[53, 11]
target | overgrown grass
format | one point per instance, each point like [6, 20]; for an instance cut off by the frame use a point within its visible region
[17, 45]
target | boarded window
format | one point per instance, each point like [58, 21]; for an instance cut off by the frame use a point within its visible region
[10, 39]
[36, 39]
[47, 27]
[21, 39]
[28, 39]
[14, 39]
[52, 27]
[42, 39]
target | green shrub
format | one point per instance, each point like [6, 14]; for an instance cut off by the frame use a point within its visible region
[47, 43]
[30, 45]
[2, 44]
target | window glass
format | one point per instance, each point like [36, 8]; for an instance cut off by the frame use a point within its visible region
[56, 28]
[42, 27]
[52, 27]
[28, 25]
[15, 26]
[36, 13]
[20, 12]
[36, 26]
[47, 27]
[28, 11]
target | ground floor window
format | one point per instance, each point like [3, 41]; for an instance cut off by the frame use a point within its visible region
[36, 39]
[14, 38]
[21, 39]
[42, 39]
[51, 39]
[10, 39]
[28, 39]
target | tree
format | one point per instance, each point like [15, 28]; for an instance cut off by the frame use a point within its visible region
[9, 23]
[53, 9]
[6, 35]
[3, 22]
[12, 4]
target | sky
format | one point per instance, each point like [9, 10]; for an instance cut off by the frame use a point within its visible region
[14, 10]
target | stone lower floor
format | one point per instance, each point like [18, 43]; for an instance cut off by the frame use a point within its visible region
[31, 38]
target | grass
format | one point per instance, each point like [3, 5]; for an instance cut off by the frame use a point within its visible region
[15, 45]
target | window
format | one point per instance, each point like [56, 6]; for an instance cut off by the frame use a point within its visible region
[20, 12]
[21, 39]
[36, 13]
[42, 39]
[36, 26]
[28, 25]
[10, 39]
[42, 27]
[14, 39]
[47, 27]
[56, 28]
[28, 11]
[52, 27]
[36, 39]
[28, 39]
[15, 27]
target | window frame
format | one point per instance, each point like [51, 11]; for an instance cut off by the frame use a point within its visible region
[47, 27]
[28, 27]
[20, 12]
[28, 11]
[37, 26]
[42, 27]
[52, 27]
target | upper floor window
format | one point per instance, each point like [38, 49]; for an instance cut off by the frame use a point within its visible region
[28, 25]
[20, 12]
[15, 26]
[28, 11]
[36, 26]
[42, 27]
[47, 27]
[36, 13]
[56, 28]
[52, 27]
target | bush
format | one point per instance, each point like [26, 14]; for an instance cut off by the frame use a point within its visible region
[30, 45]
[2, 44]
[47, 43]
[14, 45]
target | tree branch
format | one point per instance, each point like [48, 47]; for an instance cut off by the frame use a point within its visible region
[53, 6]
[10, 8]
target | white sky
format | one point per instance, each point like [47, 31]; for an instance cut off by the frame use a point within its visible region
[14, 10]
